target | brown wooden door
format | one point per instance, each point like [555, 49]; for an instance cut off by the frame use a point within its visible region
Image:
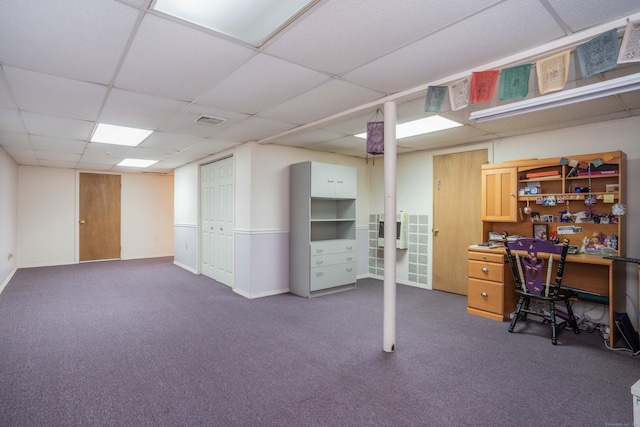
[99, 217]
[456, 216]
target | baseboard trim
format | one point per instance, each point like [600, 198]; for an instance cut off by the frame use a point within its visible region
[6, 282]
[261, 294]
[186, 267]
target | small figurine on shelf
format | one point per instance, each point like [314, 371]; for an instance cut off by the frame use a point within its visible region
[553, 237]
[585, 242]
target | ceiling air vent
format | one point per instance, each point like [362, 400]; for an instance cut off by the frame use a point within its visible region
[209, 120]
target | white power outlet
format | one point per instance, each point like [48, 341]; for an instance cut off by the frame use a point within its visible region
[10, 256]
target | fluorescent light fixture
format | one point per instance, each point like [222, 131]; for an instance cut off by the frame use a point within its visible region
[119, 135]
[558, 99]
[420, 126]
[137, 163]
[251, 21]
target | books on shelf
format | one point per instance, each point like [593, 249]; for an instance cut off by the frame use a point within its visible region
[598, 173]
[545, 174]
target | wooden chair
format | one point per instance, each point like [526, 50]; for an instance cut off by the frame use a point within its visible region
[531, 262]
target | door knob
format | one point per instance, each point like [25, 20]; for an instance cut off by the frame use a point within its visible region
[82, 221]
[435, 231]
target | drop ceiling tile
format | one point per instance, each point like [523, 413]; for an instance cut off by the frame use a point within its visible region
[57, 156]
[318, 41]
[123, 152]
[131, 109]
[6, 100]
[57, 144]
[57, 127]
[10, 120]
[14, 139]
[212, 146]
[88, 166]
[20, 152]
[340, 143]
[328, 99]
[254, 129]
[75, 38]
[169, 164]
[187, 156]
[166, 141]
[467, 44]
[184, 122]
[261, 83]
[353, 125]
[99, 158]
[46, 94]
[306, 138]
[582, 15]
[175, 61]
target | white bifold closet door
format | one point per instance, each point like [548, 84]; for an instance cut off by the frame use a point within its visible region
[217, 220]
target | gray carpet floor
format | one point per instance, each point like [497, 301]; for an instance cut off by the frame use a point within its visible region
[146, 343]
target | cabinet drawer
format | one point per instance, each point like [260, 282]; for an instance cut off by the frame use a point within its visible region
[486, 271]
[486, 296]
[331, 259]
[332, 275]
[497, 257]
[324, 247]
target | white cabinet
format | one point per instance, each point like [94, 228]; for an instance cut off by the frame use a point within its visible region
[323, 228]
[333, 181]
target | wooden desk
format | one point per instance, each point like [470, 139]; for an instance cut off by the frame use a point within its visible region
[589, 273]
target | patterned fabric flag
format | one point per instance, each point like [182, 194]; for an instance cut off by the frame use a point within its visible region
[483, 84]
[375, 137]
[630, 49]
[553, 72]
[599, 54]
[459, 94]
[514, 82]
[435, 99]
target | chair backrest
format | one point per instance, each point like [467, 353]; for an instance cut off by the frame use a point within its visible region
[531, 261]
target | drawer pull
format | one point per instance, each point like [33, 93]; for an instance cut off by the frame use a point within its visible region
[319, 250]
[484, 257]
[349, 248]
[349, 269]
[349, 258]
[318, 274]
[319, 262]
[485, 270]
[484, 294]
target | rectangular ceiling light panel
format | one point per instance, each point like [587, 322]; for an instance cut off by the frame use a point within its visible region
[251, 21]
[119, 135]
[137, 163]
[420, 127]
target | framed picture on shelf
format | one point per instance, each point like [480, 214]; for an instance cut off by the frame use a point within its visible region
[541, 231]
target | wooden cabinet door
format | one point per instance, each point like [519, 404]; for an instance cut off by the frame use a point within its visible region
[499, 195]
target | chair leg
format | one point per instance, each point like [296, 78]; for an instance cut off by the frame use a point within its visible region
[554, 325]
[514, 320]
[572, 318]
[527, 301]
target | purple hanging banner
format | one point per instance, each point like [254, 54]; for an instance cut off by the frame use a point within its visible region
[375, 137]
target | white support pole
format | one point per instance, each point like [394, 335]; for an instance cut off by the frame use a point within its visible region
[389, 304]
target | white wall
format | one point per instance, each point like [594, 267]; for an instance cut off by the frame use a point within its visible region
[8, 217]
[147, 216]
[261, 213]
[48, 216]
[185, 213]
